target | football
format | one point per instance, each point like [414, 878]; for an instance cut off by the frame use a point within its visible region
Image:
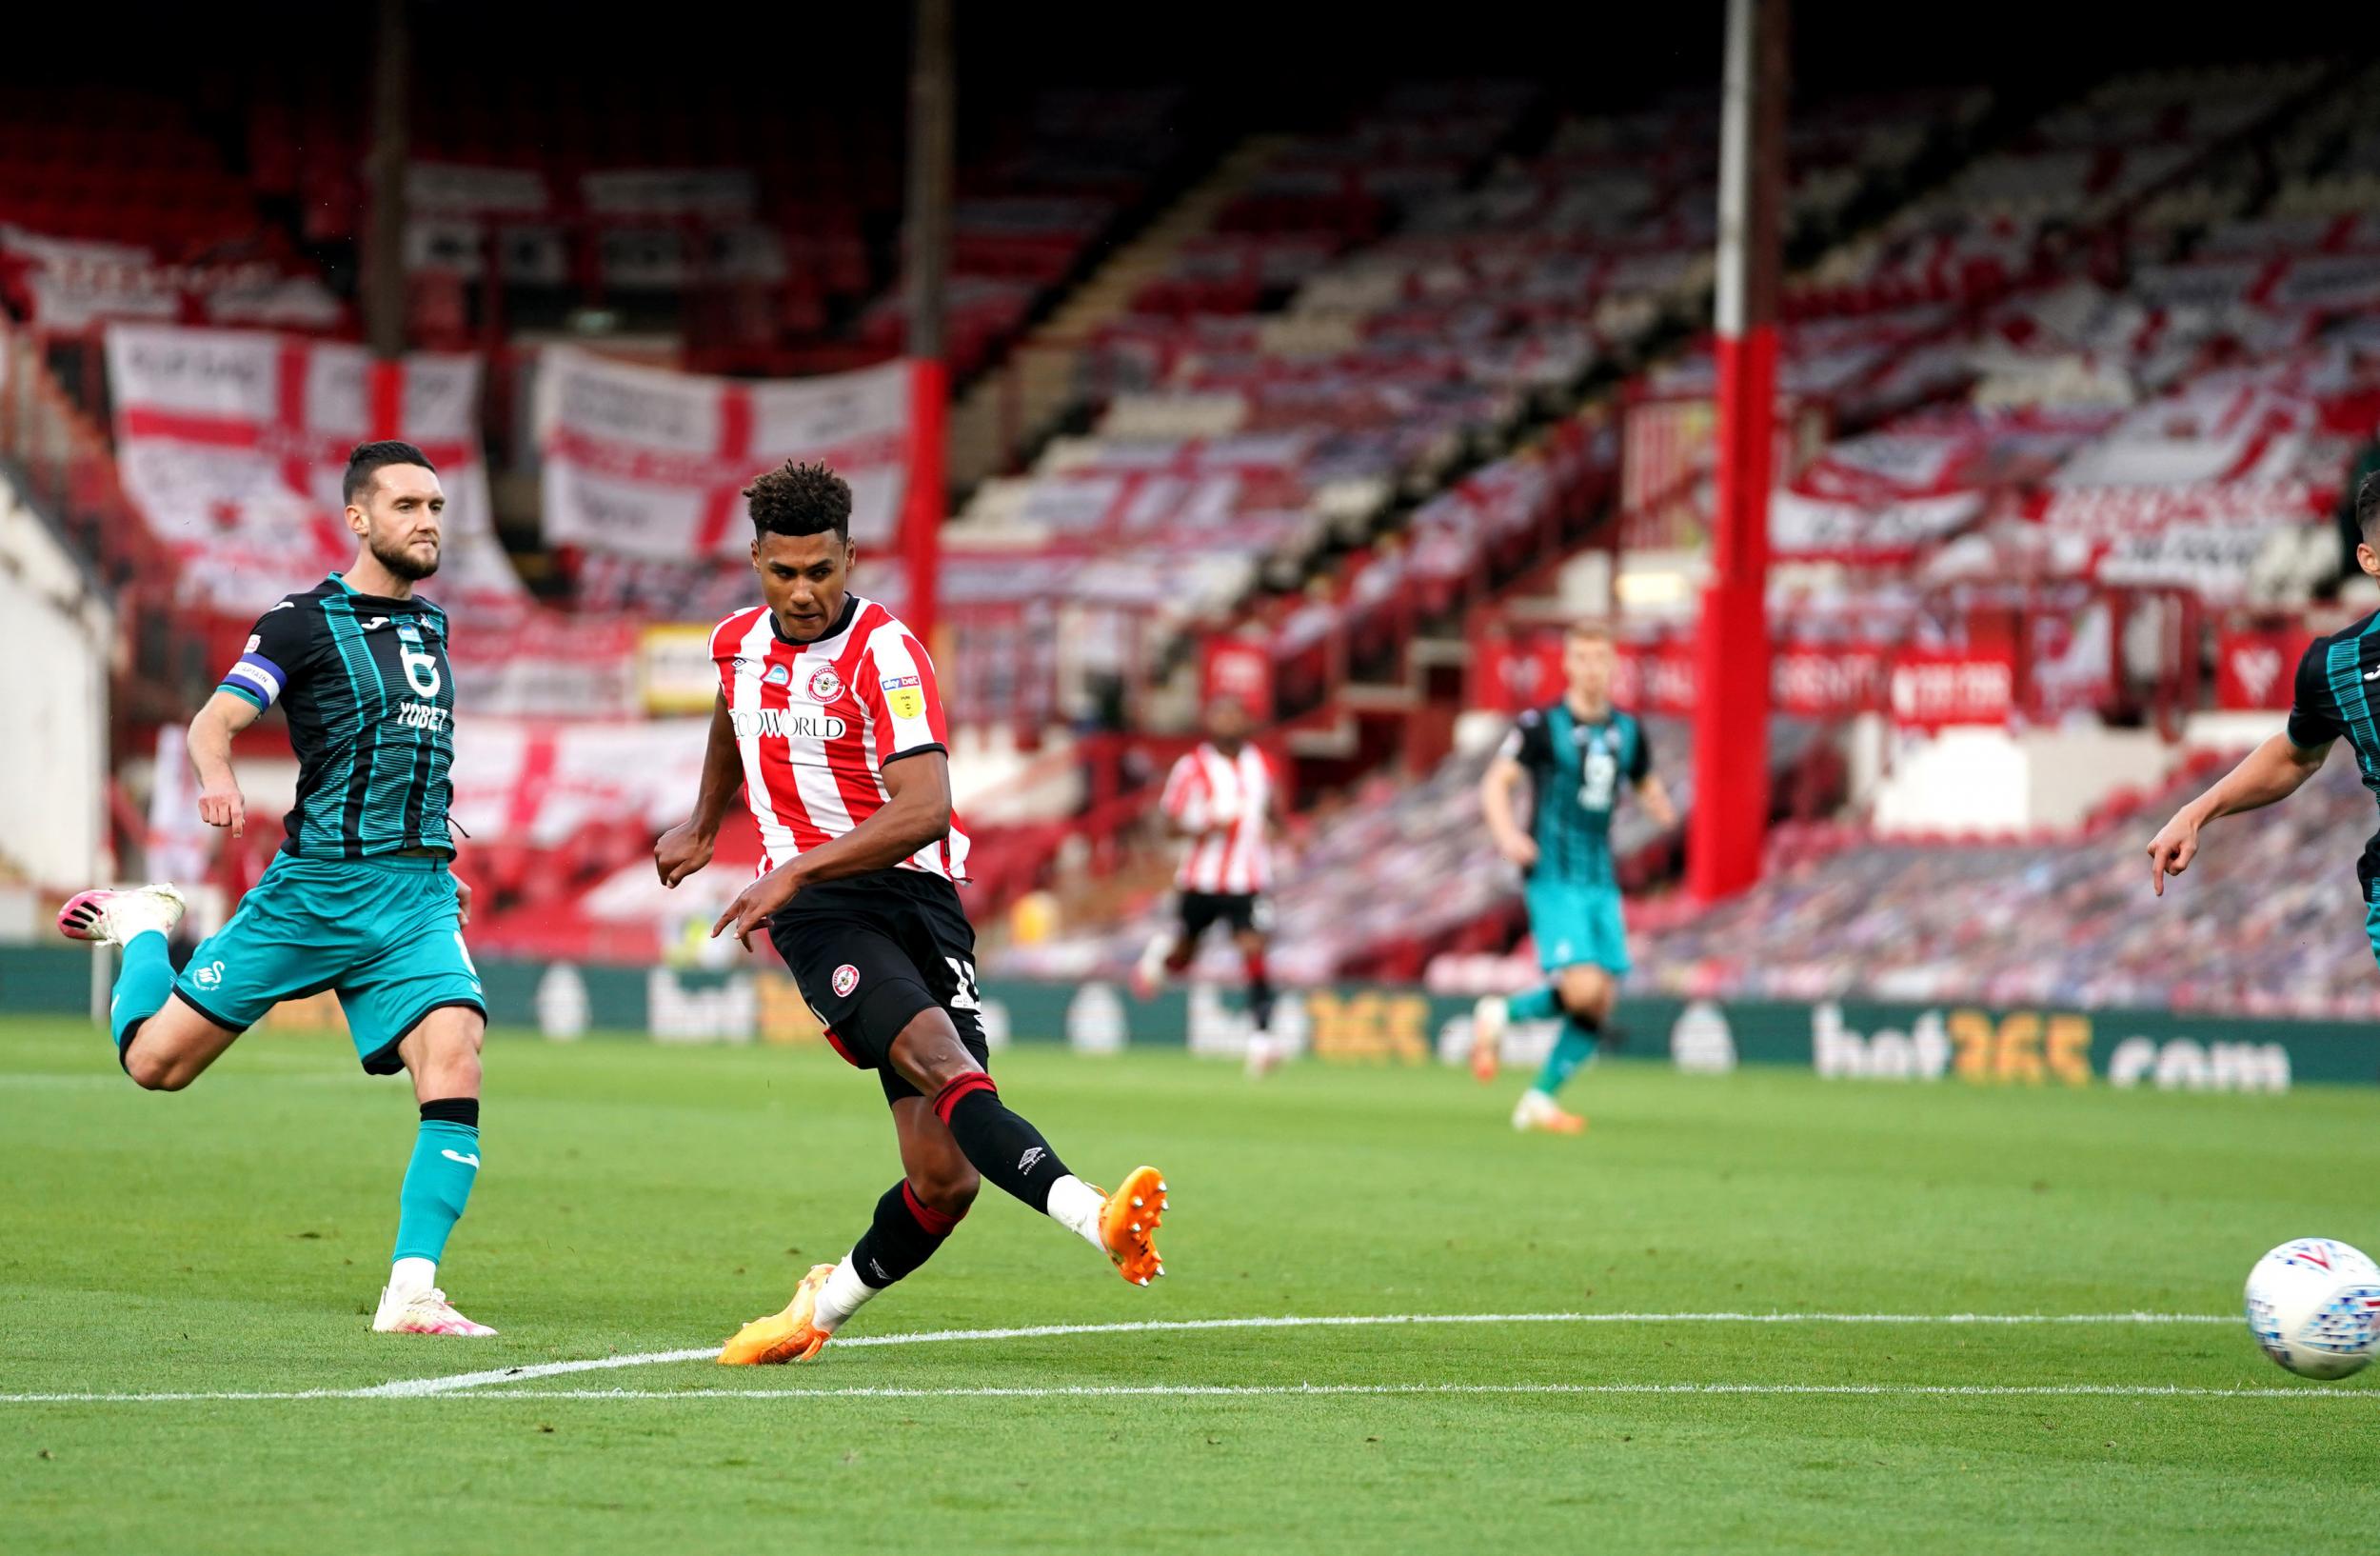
[2314, 1305]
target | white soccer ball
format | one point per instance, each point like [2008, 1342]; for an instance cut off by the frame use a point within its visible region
[2313, 1304]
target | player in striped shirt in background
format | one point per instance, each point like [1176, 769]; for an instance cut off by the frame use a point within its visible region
[829, 721]
[1221, 799]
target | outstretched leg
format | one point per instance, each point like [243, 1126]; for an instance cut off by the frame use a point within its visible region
[162, 1042]
[1010, 1152]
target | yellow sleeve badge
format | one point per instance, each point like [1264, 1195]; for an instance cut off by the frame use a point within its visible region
[904, 697]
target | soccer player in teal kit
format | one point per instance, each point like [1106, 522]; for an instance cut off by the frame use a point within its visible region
[360, 898]
[1575, 754]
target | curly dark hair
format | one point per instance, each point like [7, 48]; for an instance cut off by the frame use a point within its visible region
[806, 499]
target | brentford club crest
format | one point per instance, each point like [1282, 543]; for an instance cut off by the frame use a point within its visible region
[846, 976]
[826, 686]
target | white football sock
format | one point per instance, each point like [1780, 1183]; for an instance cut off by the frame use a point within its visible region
[409, 1278]
[843, 1294]
[1076, 1206]
[1153, 960]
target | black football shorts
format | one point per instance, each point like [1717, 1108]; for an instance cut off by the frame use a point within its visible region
[1238, 911]
[870, 952]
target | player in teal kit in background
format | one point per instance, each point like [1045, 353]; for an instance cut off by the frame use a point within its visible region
[360, 898]
[1575, 754]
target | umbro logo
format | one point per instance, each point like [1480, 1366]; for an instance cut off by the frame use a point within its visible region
[1032, 1154]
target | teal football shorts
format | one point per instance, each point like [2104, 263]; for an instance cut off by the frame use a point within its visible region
[1578, 922]
[383, 932]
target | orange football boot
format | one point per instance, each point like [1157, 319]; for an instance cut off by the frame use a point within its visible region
[787, 1336]
[1129, 1223]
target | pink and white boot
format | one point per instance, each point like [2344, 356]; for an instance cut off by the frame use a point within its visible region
[421, 1313]
[112, 918]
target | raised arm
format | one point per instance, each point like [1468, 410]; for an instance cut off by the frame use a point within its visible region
[220, 803]
[686, 848]
[2274, 770]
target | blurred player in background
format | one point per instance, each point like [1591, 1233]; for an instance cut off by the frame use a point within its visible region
[360, 898]
[829, 720]
[2333, 696]
[1221, 800]
[1575, 754]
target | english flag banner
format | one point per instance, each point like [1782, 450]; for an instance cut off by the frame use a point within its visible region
[645, 462]
[232, 444]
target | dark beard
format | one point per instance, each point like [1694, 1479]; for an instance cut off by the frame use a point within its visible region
[404, 566]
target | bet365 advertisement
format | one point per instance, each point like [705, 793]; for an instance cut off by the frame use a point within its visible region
[1853, 1042]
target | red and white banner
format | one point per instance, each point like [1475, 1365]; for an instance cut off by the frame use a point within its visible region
[1241, 671]
[1931, 690]
[2108, 513]
[69, 284]
[232, 443]
[547, 665]
[1867, 531]
[519, 780]
[1833, 680]
[2257, 668]
[653, 464]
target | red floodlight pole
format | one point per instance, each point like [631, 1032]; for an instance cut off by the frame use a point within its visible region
[1729, 818]
[384, 270]
[925, 234]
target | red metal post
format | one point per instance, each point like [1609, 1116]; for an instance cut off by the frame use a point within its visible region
[1729, 819]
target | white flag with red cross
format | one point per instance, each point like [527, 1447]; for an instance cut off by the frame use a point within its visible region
[231, 443]
[645, 462]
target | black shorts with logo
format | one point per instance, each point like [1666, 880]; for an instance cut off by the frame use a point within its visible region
[870, 952]
[1239, 910]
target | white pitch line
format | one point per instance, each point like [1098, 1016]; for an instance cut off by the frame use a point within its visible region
[463, 1381]
[459, 1381]
[1886, 1390]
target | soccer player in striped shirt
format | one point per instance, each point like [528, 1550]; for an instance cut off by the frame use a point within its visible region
[360, 898]
[829, 721]
[1577, 755]
[1221, 798]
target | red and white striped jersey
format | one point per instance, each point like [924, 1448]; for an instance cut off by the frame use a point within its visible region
[818, 723]
[1235, 795]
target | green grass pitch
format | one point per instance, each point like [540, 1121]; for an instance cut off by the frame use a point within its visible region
[640, 1198]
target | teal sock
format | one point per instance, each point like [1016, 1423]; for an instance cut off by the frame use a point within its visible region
[1539, 1004]
[143, 983]
[438, 1181]
[1571, 1049]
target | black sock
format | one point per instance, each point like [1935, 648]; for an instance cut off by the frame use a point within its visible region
[1001, 1145]
[903, 1235]
[1259, 992]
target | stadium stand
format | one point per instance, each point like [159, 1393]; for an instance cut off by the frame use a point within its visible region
[2262, 925]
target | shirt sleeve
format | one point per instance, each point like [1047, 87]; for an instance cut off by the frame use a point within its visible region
[1180, 783]
[1529, 742]
[275, 650]
[1640, 753]
[903, 696]
[2314, 707]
